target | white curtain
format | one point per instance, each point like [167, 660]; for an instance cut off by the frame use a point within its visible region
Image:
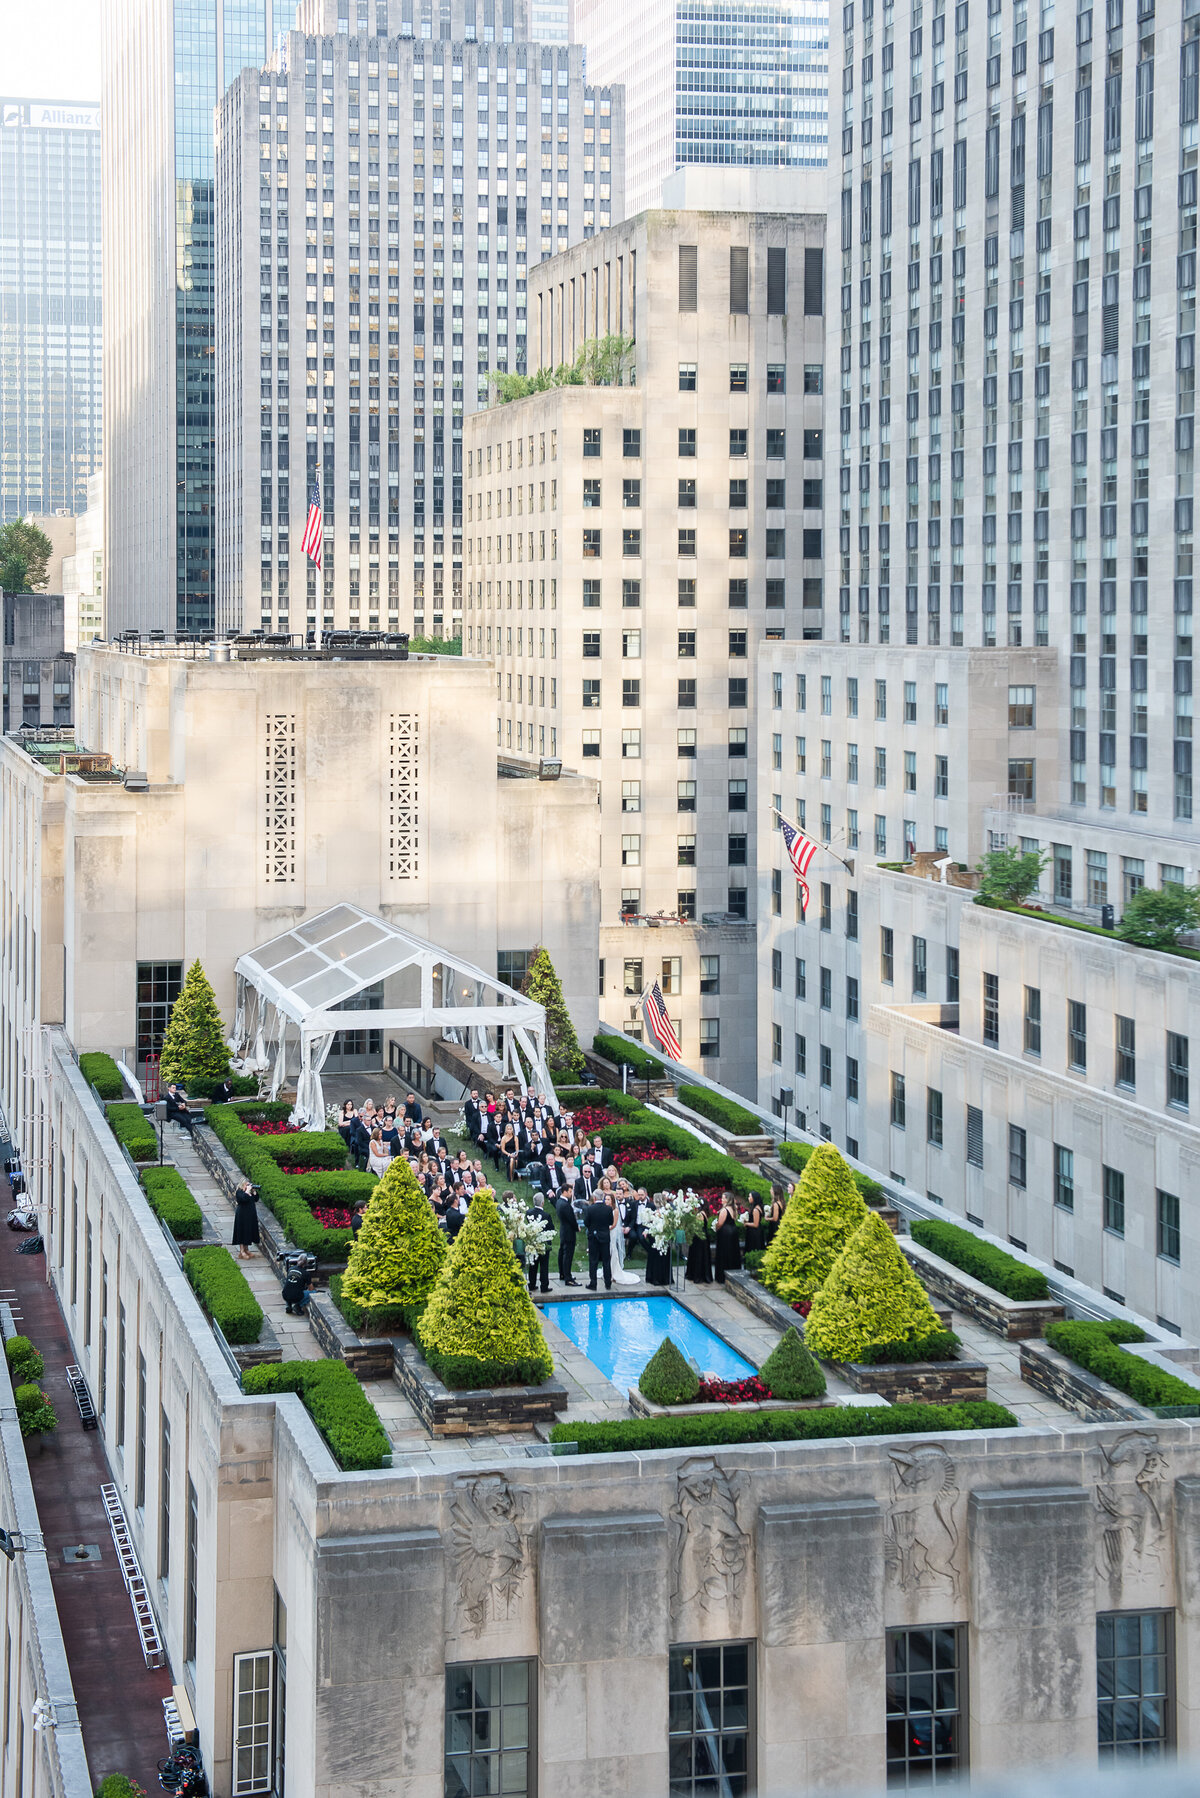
[238, 1040]
[258, 1060]
[309, 1110]
[279, 1067]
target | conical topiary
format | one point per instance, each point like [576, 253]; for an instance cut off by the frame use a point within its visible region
[194, 1046]
[872, 1296]
[667, 1378]
[397, 1255]
[821, 1216]
[562, 1045]
[480, 1326]
[789, 1371]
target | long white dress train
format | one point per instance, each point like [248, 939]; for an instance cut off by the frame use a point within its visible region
[616, 1255]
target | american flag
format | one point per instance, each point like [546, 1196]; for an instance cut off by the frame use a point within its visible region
[801, 850]
[654, 1011]
[310, 543]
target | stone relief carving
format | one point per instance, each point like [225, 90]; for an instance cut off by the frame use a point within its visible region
[1133, 1499]
[489, 1548]
[710, 1543]
[920, 1542]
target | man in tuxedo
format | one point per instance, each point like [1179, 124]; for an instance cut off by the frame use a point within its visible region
[555, 1180]
[568, 1232]
[539, 1266]
[585, 1184]
[597, 1221]
[472, 1115]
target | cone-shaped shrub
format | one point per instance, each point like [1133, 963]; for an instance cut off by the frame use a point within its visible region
[871, 1296]
[562, 1045]
[822, 1214]
[667, 1379]
[194, 1044]
[790, 1371]
[480, 1326]
[398, 1254]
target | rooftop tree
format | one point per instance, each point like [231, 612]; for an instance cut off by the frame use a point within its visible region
[194, 1046]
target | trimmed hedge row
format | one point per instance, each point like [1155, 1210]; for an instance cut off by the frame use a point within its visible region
[35, 1413]
[1094, 1346]
[467, 1373]
[982, 1260]
[719, 1110]
[134, 1130]
[692, 1163]
[172, 1202]
[939, 1345]
[224, 1291]
[102, 1072]
[640, 1434]
[337, 1405]
[203, 1086]
[796, 1155]
[289, 1196]
[625, 1053]
[623, 1105]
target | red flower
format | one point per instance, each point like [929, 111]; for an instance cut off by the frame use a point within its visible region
[273, 1129]
[333, 1217]
[803, 1306]
[591, 1118]
[302, 1170]
[732, 1392]
[623, 1157]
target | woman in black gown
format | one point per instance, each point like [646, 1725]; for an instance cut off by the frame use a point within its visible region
[729, 1249]
[755, 1237]
[245, 1220]
[774, 1217]
[699, 1255]
[658, 1261]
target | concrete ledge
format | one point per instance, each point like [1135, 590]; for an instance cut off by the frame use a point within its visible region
[1014, 1319]
[608, 1074]
[917, 1382]
[482, 1411]
[254, 1354]
[368, 1357]
[642, 1407]
[1043, 1368]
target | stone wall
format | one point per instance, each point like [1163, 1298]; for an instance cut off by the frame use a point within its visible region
[918, 1382]
[1014, 1319]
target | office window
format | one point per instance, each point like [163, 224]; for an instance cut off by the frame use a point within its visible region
[591, 442]
[1135, 1678]
[631, 795]
[737, 794]
[826, 906]
[631, 750]
[1177, 1070]
[1021, 779]
[192, 1589]
[489, 1728]
[777, 1043]
[591, 646]
[1077, 1035]
[685, 851]
[1033, 1020]
[687, 441]
[852, 914]
[887, 955]
[738, 377]
[777, 970]
[776, 892]
[826, 983]
[591, 594]
[710, 1711]
[631, 693]
[685, 744]
[591, 744]
[1114, 1200]
[710, 974]
[974, 1136]
[776, 377]
[631, 492]
[814, 378]
[1097, 877]
[951, 976]
[139, 1483]
[631, 852]
[687, 494]
[926, 1738]
[252, 1723]
[1061, 853]
[685, 795]
[158, 984]
[633, 982]
[941, 776]
[991, 1009]
[881, 699]
[687, 377]
[685, 591]
[933, 1116]
[1126, 1052]
[737, 846]
[851, 1078]
[739, 441]
[881, 767]
[826, 1070]
[591, 496]
[941, 703]
[1168, 1226]
[710, 1036]
[164, 1496]
[1064, 1177]
[1020, 708]
[801, 1057]
[920, 967]
[899, 1105]
[851, 997]
[631, 442]
[1016, 1155]
[801, 979]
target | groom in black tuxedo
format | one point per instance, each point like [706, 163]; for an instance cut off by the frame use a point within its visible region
[597, 1221]
[568, 1232]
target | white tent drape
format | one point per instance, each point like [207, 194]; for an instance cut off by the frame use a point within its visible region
[309, 1110]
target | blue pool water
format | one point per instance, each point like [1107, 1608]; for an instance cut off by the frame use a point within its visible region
[619, 1336]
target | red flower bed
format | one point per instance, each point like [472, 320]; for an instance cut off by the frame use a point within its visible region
[333, 1217]
[590, 1118]
[623, 1157]
[732, 1392]
[712, 1198]
[803, 1306]
[303, 1170]
[274, 1129]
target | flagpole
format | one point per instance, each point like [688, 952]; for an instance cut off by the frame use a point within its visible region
[849, 866]
[320, 607]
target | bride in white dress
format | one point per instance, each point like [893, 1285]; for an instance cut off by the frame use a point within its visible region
[616, 1252]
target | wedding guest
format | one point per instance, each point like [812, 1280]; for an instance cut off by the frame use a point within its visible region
[774, 1217]
[598, 1222]
[729, 1252]
[755, 1237]
[378, 1158]
[539, 1265]
[568, 1232]
[245, 1220]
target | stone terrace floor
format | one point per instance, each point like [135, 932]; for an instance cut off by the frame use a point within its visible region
[591, 1396]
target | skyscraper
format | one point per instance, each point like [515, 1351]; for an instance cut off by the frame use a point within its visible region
[382, 199]
[49, 305]
[164, 68]
[734, 83]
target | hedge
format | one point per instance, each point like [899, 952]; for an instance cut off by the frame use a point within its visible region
[1095, 1347]
[134, 1131]
[383, 1320]
[719, 1110]
[667, 1379]
[224, 1291]
[625, 1053]
[245, 1086]
[634, 1435]
[289, 1196]
[102, 1072]
[307, 1148]
[172, 1203]
[34, 1410]
[692, 1163]
[25, 1362]
[623, 1105]
[939, 1345]
[982, 1260]
[337, 1405]
[796, 1155]
[119, 1785]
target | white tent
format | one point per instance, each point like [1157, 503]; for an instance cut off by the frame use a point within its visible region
[300, 982]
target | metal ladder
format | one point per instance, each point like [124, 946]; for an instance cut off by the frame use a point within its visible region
[152, 1648]
[82, 1397]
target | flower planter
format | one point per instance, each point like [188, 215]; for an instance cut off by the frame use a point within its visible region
[917, 1382]
[1014, 1319]
[642, 1407]
[482, 1411]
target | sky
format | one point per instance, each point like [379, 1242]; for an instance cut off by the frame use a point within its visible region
[52, 51]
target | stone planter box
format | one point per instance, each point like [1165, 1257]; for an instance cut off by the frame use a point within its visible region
[608, 1074]
[747, 1149]
[228, 1175]
[754, 1295]
[254, 1354]
[917, 1382]
[641, 1406]
[1014, 1319]
[486, 1411]
[1043, 1368]
[370, 1358]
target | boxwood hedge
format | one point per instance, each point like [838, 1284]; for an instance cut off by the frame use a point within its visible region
[1095, 1346]
[636, 1435]
[691, 1163]
[245, 1086]
[290, 1196]
[134, 1130]
[624, 1053]
[172, 1202]
[982, 1260]
[337, 1404]
[102, 1072]
[622, 1105]
[796, 1155]
[224, 1291]
[719, 1110]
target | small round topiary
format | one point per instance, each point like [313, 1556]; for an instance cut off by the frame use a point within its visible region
[790, 1371]
[667, 1378]
[25, 1363]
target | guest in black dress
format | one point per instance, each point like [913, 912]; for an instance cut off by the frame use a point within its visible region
[729, 1250]
[699, 1256]
[774, 1218]
[245, 1220]
[755, 1238]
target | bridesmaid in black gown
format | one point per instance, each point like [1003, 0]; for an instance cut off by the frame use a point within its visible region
[755, 1237]
[774, 1218]
[699, 1256]
[729, 1251]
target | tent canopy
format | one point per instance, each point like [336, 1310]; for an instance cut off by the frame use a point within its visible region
[308, 977]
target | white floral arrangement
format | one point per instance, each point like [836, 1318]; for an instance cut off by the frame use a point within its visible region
[534, 1235]
[333, 1116]
[677, 1217]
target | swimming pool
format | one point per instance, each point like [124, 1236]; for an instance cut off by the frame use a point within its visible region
[619, 1336]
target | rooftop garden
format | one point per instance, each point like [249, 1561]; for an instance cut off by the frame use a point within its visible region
[602, 362]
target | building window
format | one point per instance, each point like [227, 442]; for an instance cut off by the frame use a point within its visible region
[1135, 1707]
[1016, 1155]
[710, 1037]
[139, 1484]
[1062, 873]
[633, 982]
[851, 1079]
[974, 1136]
[158, 984]
[826, 1069]
[899, 1105]
[191, 1593]
[1168, 1226]
[1077, 1036]
[1126, 1068]
[851, 998]
[710, 974]
[1033, 1020]
[777, 1043]
[1114, 1200]
[164, 1497]
[887, 955]
[591, 744]
[711, 1703]
[926, 1741]
[489, 1728]
[1177, 1070]
[852, 914]
[1064, 1178]
[920, 967]
[802, 1057]
[252, 1723]
[933, 1116]
[1097, 877]
[1022, 783]
[951, 976]
[1020, 708]
[991, 1010]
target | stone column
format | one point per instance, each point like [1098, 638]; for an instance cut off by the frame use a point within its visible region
[1031, 1670]
[604, 1604]
[1187, 1614]
[821, 1659]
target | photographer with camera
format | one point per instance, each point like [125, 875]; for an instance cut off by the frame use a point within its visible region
[300, 1270]
[245, 1220]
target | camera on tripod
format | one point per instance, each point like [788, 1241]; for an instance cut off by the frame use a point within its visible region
[299, 1272]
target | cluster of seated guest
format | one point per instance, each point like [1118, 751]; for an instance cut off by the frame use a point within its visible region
[374, 1134]
[524, 1138]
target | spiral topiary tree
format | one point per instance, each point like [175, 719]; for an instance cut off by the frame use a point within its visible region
[194, 1045]
[822, 1214]
[480, 1326]
[871, 1296]
[398, 1254]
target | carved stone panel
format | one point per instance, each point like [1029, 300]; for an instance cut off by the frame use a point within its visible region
[1133, 1497]
[922, 1529]
[489, 1553]
[710, 1550]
